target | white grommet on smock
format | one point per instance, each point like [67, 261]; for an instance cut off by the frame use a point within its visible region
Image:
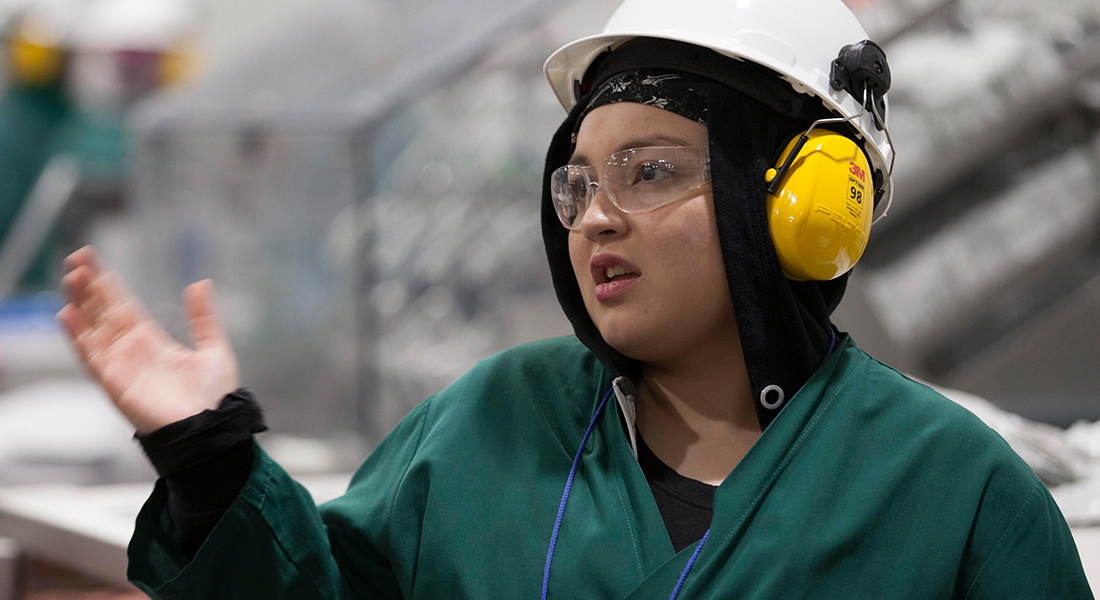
[764, 397]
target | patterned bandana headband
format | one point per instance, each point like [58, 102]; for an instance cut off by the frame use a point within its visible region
[662, 90]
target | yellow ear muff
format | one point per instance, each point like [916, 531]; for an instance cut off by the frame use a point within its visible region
[820, 215]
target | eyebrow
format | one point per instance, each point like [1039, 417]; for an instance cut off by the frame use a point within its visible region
[653, 140]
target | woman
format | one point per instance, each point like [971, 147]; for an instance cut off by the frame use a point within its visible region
[750, 449]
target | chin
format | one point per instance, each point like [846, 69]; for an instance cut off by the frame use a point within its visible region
[622, 325]
[631, 336]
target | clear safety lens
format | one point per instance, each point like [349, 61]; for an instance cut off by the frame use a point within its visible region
[636, 181]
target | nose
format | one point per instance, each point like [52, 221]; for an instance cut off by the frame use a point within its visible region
[602, 219]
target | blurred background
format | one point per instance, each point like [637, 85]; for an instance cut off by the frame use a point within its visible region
[361, 178]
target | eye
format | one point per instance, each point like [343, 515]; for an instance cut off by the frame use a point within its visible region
[655, 171]
[577, 185]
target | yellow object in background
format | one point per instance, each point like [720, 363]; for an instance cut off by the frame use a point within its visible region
[820, 217]
[179, 64]
[34, 62]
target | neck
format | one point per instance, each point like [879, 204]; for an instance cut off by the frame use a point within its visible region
[696, 412]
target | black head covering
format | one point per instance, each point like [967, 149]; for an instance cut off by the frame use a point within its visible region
[784, 325]
[652, 87]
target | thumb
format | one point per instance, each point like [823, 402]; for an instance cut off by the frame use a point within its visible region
[202, 318]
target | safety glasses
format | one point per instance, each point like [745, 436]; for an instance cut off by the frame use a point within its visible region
[636, 181]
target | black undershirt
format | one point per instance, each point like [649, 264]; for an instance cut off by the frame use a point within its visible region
[205, 460]
[686, 505]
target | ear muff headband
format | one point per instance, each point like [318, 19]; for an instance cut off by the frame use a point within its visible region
[820, 212]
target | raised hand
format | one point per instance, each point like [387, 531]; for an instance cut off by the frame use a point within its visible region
[150, 377]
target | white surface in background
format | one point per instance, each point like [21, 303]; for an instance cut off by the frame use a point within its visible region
[1086, 436]
[104, 513]
[107, 513]
[36, 351]
[1080, 501]
[1088, 546]
[66, 429]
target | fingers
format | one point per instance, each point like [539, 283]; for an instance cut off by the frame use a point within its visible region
[74, 284]
[88, 285]
[116, 322]
[100, 312]
[80, 268]
[125, 343]
[93, 341]
[91, 297]
[202, 316]
[85, 256]
[82, 336]
[103, 293]
[71, 321]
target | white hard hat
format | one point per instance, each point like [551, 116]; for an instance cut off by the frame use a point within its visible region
[135, 24]
[797, 39]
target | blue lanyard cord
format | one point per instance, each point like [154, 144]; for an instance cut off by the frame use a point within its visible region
[565, 496]
[569, 485]
[687, 569]
[691, 561]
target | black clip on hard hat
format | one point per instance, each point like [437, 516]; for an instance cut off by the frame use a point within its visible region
[863, 66]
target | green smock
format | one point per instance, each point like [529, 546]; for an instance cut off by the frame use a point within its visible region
[866, 485]
[30, 119]
[37, 124]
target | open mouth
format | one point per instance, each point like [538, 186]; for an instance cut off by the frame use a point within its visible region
[612, 275]
[617, 273]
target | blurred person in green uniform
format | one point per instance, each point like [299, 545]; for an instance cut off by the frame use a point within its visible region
[707, 433]
[35, 111]
[74, 71]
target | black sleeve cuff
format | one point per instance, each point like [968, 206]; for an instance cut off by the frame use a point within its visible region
[186, 443]
[205, 460]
